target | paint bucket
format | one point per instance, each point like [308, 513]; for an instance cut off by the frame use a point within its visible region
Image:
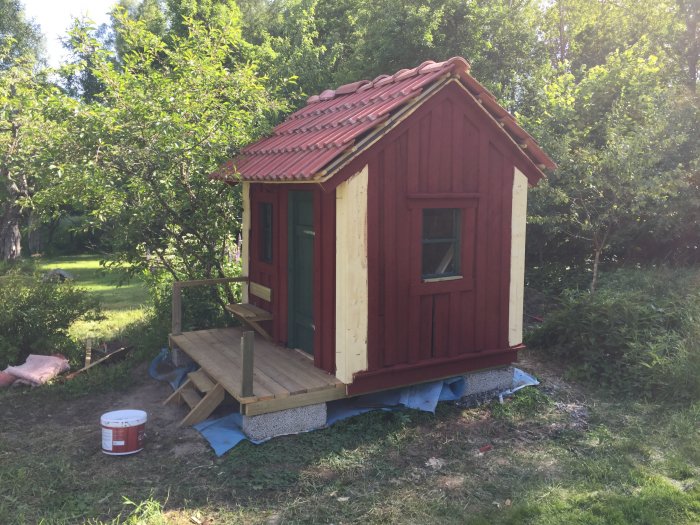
[123, 432]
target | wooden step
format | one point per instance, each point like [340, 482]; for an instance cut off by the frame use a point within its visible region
[201, 380]
[191, 397]
[176, 396]
[205, 407]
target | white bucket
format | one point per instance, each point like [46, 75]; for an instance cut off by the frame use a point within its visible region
[123, 432]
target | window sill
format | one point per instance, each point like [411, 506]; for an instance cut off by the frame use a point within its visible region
[446, 278]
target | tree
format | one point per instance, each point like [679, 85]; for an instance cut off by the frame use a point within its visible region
[24, 136]
[610, 131]
[138, 158]
[19, 37]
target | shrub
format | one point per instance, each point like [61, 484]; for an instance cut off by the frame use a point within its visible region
[35, 316]
[637, 334]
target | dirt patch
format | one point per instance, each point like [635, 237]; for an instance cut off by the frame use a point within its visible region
[76, 422]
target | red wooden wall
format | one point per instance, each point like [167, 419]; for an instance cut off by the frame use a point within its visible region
[450, 154]
[274, 275]
[446, 154]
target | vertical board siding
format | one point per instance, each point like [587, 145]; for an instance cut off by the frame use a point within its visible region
[275, 275]
[446, 147]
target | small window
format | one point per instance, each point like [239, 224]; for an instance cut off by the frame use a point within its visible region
[266, 232]
[441, 242]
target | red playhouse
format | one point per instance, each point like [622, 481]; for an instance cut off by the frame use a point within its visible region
[383, 244]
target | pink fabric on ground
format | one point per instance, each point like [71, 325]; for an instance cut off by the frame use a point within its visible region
[6, 379]
[38, 369]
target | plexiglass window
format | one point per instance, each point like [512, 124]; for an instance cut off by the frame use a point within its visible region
[441, 242]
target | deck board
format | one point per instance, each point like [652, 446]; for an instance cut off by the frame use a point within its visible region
[279, 374]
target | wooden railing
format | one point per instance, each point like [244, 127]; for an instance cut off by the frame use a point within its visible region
[176, 326]
[247, 341]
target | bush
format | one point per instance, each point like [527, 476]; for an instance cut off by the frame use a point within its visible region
[35, 316]
[637, 334]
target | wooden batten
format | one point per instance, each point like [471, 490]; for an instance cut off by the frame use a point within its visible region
[352, 289]
[245, 230]
[517, 258]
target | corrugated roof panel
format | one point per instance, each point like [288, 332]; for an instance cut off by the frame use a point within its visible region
[315, 135]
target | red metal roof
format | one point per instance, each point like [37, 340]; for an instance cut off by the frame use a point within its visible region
[317, 134]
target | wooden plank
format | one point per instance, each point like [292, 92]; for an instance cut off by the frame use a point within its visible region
[190, 396]
[309, 398]
[269, 367]
[120, 351]
[352, 290]
[247, 349]
[202, 282]
[389, 230]
[201, 380]
[249, 312]
[214, 361]
[283, 363]
[229, 347]
[441, 323]
[258, 290]
[205, 407]
[175, 397]
[517, 258]
[327, 321]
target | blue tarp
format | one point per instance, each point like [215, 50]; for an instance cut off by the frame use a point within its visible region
[226, 432]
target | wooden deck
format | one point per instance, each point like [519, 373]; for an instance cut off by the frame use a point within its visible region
[282, 378]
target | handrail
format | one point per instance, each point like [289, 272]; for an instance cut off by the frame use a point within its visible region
[176, 326]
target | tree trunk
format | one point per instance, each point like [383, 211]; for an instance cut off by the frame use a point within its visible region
[10, 237]
[596, 262]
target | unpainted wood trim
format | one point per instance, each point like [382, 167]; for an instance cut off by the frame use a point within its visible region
[517, 258]
[258, 290]
[351, 277]
[296, 401]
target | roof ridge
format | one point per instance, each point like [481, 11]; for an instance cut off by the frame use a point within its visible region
[454, 64]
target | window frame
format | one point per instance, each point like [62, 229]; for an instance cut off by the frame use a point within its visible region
[456, 246]
[468, 203]
[266, 232]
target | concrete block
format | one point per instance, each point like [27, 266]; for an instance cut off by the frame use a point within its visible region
[180, 358]
[484, 385]
[283, 422]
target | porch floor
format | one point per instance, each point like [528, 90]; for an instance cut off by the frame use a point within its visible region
[282, 378]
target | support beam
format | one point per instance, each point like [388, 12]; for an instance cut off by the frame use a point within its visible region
[247, 346]
[176, 328]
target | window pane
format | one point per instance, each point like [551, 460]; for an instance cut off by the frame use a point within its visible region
[439, 259]
[441, 242]
[439, 223]
[266, 232]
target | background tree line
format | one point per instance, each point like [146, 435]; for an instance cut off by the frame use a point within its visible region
[125, 132]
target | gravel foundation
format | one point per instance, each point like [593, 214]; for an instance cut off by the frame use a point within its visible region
[290, 421]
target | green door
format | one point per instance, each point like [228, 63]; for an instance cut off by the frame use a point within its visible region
[301, 271]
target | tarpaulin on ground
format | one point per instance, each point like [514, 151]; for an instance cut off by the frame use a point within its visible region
[226, 432]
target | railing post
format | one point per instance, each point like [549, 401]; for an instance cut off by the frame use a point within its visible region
[176, 328]
[247, 345]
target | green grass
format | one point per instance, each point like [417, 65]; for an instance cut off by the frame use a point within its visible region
[624, 462]
[560, 454]
[122, 304]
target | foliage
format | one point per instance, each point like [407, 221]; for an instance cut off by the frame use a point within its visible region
[18, 36]
[35, 317]
[138, 159]
[24, 132]
[637, 334]
[619, 163]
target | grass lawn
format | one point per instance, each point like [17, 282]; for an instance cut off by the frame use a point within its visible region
[562, 453]
[121, 304]
[554, 455]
